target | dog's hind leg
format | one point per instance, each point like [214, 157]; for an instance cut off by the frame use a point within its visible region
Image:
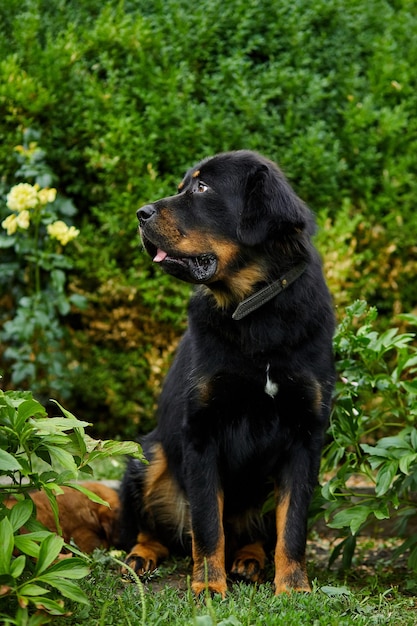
[155, 516]
[249, 563]
[146, 554]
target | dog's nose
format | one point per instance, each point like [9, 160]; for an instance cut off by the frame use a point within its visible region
[146, 213]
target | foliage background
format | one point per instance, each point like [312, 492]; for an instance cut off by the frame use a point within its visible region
[127, 95]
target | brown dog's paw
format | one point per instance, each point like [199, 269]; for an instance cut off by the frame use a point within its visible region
[249, 563]
[296, 580]
[145, 556]
[213, 586]
[139, 563]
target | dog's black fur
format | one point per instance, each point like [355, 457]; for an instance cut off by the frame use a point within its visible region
[246, 402]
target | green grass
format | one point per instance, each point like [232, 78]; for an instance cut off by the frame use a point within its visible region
[360, 598]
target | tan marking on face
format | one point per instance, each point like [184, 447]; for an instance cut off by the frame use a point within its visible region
[289, 574]
[163, 498]
[196, 173]
[181, 185]
[209, 569]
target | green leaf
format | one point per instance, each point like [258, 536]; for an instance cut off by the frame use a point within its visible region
[354, 518]
[406, 462]
[335, 591]
[27, 545]
[74, 568]
[49, 550]
[68, 589]
[57, 424]
[6, 545]
[49, 605]
[29, 408]
[90, 494]
[385, 477]
[64, 458]
[30, 589]
[17, 566]
[20, 513]
[9, 463]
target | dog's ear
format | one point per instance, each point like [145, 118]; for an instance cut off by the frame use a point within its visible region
[271, 208]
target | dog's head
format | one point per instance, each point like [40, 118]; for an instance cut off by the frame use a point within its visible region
[233, 212]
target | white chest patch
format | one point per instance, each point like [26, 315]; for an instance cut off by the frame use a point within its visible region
[270, 388]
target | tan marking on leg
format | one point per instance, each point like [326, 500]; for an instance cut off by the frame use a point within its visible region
[249, 562]
[209, 569]
[163, 499]
[289, 574]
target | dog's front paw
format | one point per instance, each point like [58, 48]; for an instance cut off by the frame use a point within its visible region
[213, 586]
[293, 580]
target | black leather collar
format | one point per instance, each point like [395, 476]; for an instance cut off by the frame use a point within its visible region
[258, 299]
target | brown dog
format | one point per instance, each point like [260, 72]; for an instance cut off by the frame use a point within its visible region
[88, 524]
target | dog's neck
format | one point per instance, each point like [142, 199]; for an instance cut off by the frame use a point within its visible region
[264, 295]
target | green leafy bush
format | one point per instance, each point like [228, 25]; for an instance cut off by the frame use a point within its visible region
[37, 452]
[376, 395]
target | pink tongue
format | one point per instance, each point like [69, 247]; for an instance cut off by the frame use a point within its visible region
[160, 256]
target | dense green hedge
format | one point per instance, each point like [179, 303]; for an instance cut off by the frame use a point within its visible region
[127, 95]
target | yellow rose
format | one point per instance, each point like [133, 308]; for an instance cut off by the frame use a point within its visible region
[22, 197]
[63, 233]
[10, 224]
[47, 195]
[23, 219]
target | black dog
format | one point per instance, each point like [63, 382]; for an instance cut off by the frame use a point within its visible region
[246, 402]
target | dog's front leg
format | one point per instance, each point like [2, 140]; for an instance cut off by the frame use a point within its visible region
[206, 507]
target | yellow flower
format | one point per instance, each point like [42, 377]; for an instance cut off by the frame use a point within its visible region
[63, 233]
[22, 197]
[10, 224]
[23, 219]
[47, 195]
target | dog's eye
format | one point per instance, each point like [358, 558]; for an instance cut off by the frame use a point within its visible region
[201, 187]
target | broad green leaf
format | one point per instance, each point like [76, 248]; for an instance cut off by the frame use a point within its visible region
[354, 518]
[6, 545]
[20, 513]
[17, 566]
[385, 477]
[27, 544]
[29, 408]
[9, 463]
[68, 589]
[74, 568]
[335, 591]
[57, 424]
[63, 458]
[30, 589]
[406, 461]
[49, 550]
[49, 605]
[90, 494]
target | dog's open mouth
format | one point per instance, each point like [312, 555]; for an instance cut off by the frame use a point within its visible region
[198, 269]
